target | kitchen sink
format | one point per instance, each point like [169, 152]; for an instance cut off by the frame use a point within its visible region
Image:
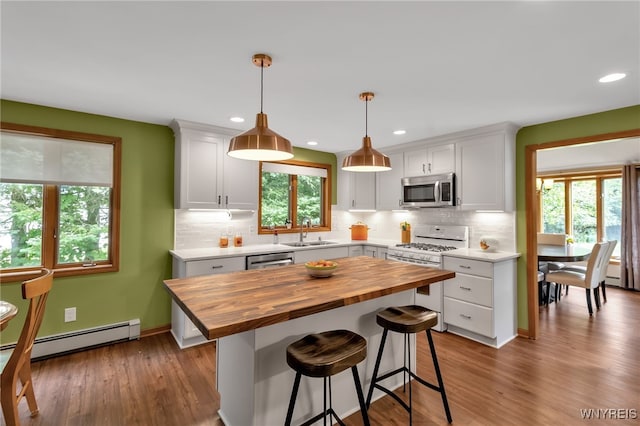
[321, 243]
[309, 243]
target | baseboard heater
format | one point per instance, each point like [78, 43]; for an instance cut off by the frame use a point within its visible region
[65, 343]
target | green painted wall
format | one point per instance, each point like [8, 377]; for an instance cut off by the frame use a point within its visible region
[303, 154]
[588, 125]
[146, 232]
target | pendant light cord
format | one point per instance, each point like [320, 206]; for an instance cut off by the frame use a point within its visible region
[261, 83]
[366, 117]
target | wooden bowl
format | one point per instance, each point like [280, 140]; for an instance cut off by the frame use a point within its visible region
[321, 268]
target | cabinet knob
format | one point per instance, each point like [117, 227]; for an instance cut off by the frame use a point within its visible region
[219, 199]
[464, 266]
[217, 266]
[465, 316]
[465, 288]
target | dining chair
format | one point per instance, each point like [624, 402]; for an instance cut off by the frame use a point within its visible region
[551, 239]
[16, 363]
[603, 271]
[588, 280]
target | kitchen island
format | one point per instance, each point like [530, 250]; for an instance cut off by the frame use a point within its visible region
[256, 314]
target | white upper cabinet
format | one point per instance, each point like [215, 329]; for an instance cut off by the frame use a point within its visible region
[431, 160]
[388, 189]
[207, 178]
[356, 190]
[485, 171]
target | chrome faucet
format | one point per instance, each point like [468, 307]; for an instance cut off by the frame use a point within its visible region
[304, 221]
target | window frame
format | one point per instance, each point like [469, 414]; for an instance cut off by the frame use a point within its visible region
[567, 177]
[325, 196]
[50, 211]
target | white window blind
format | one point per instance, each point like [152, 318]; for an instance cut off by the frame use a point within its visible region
[41, 159]
[294, 170]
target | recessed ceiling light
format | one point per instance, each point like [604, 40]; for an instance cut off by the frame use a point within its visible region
[312, 143]
[612, 77]
[399, 132]
[237, 119]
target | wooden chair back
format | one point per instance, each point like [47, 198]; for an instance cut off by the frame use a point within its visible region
[18, 365]
[552, 239]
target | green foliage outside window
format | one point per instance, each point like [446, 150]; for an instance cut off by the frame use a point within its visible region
[276, 199]
[583, 209]
[83, 233]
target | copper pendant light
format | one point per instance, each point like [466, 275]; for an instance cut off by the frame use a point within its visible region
[366, 159]
[260, 143]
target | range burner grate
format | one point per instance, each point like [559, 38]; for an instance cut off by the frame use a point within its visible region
[427, 247]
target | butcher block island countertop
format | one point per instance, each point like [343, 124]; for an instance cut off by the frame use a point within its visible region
[226, 304]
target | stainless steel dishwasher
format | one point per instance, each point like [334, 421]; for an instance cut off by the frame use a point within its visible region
[270, 260]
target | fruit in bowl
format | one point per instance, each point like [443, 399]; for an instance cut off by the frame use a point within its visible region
[321, 268]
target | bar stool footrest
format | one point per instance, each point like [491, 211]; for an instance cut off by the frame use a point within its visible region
[330, 412]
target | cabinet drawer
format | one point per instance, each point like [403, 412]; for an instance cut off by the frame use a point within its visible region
[468, 266]
[470, 289]
[215, 266]
[469, 316]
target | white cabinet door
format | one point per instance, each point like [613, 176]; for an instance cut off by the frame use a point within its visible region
[356, 190]
[441, 159]
[356, 251]
[430, 160]
[197, 163]
[240, 183]
[388, 186]
[363, 191]
[207, 178]
[481, 172]
[415, 162]
[303, 256]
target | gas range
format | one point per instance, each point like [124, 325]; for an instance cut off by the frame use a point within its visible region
[429, 241]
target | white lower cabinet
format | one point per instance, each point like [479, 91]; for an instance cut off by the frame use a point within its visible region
[356, 251]
[303, 256]
[480, 302]
[183, 330]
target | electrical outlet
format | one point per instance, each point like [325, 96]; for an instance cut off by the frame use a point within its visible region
[69, 314]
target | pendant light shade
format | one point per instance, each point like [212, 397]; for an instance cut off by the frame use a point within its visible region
[366, 159]
[260, 143]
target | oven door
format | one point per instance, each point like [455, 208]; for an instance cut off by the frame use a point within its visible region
[432, 297]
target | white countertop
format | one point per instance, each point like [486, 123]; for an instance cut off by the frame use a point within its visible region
[477, 254]
[217, 252]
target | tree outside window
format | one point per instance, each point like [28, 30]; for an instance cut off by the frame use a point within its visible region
[292, 192]
[59, 201]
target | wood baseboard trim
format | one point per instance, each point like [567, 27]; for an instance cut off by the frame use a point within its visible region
[523, 333]
[154, 331]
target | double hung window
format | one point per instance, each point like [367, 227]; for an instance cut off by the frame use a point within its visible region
[59, 201]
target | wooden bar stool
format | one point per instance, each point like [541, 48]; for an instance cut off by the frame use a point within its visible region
[324, 355]
[407, 320]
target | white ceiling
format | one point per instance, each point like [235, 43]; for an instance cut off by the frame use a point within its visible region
[436, 67]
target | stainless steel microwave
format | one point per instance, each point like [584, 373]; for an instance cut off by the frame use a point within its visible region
[429, 191]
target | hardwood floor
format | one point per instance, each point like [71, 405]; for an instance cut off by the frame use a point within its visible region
[579, 363]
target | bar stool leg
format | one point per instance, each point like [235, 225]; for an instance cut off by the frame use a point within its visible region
[438, 375]
[363, 406]
[292, 401]
[408, 352]
[377, 366]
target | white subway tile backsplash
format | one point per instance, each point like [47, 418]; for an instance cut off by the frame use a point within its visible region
[198, 229]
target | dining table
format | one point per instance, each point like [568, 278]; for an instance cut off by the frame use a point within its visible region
[7, 312]
[576, 252]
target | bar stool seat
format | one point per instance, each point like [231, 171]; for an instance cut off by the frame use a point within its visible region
[324, 355]
[407, 320]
